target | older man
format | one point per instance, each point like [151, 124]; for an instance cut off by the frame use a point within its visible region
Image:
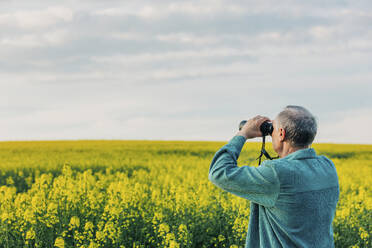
[294, 198]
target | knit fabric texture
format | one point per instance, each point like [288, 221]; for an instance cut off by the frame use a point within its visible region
[293, 199]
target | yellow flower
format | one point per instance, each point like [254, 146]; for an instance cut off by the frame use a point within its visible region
[74, 222]
[221, 238]
[4, 216]
[59, 242]
[88, 226]
[30, 234]
[363, 234]
[173, 244]
[163, 229]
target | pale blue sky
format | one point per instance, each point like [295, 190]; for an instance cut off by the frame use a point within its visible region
[182, 70]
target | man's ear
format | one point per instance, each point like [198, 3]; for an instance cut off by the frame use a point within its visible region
[281, 134]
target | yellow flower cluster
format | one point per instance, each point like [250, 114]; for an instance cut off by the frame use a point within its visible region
[148, 194]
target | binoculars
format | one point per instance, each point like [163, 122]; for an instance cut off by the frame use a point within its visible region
[266, 128]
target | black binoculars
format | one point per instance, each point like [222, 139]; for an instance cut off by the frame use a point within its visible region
[266, 128]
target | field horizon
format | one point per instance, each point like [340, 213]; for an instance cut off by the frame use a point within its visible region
[168, 140]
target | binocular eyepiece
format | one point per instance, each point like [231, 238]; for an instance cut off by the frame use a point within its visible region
[266, 128]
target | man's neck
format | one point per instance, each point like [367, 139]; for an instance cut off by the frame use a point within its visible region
[288, 149]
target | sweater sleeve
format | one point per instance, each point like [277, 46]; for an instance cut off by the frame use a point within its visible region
[257, 184]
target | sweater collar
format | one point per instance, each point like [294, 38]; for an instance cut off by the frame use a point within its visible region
[302, 154]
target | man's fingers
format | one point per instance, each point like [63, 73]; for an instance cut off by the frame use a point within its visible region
[258, 120]
[251, 129]
[263, 119]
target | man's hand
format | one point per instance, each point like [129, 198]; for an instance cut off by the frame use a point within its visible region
[251, 129]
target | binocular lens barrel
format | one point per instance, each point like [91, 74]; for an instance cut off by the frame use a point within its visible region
[266, 128]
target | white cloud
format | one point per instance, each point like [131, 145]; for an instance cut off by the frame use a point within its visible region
[29, 19]
[188, 38]
[171, 56]
[161, 10]
[48, 38]
[211, 8]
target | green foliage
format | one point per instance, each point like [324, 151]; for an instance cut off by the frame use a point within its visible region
[148, 194]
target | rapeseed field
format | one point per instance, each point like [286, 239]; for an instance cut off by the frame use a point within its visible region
[149, 194]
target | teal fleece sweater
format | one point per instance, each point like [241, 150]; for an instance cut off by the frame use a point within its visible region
[293, 199]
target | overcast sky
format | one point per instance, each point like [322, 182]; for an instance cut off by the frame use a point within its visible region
[182, 70]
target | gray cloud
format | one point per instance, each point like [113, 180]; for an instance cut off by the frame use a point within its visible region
[180, 70]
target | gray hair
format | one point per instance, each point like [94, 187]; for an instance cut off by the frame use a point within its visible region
[299, 124]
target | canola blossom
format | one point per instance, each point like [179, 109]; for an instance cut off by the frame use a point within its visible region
[149, 194]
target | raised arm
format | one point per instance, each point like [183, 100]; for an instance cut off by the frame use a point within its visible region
[257, 184]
